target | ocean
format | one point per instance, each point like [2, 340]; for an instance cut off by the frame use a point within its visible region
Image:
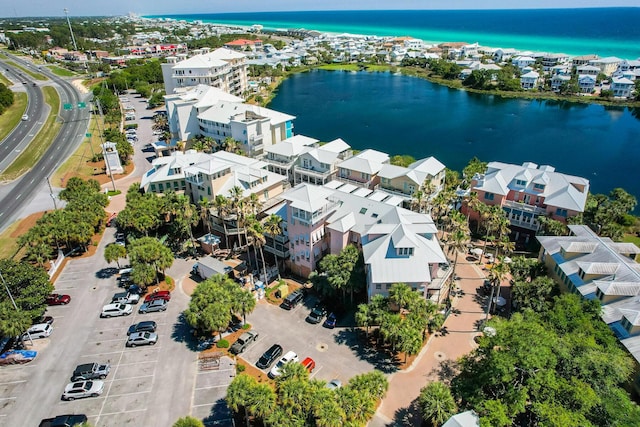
[603, 31]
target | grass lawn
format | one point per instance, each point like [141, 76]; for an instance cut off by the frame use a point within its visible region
[340, 67]
[35, 75]
[62, 72]
[632, 238]
[9, 237]
[11, 117]
[5, 81]
[78, 163]
[30, 156]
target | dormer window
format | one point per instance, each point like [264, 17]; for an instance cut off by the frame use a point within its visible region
[405, 251]
[538, 187]
[521, 183]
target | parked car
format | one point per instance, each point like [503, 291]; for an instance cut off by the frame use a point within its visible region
[243, 342]
[146, 326]
[269, 356]
[165, 295]
[44, 319]
[309, 363]
[334, 384]
[317, 314]
[69, 420]
[142, 338]
[155, 305]
[136, 289]
[91, 371]
[58, 299]
[292, 300]
[125, 298]
[80, 389]
[41, 330]
[330, 321]
[114, 310]
[288, 357]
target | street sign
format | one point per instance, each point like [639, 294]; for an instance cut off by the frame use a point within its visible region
[82, 105]
[88, 135]
[68, 106]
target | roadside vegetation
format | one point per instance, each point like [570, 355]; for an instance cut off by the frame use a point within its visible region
[10, 118]
[33, 74]
[41, 142]
[62, 72]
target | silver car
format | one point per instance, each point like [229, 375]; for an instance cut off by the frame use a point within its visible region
[155, 305]
[142, 338]
[80, 389]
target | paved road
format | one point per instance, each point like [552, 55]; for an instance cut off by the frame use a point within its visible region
[19, 138]
[74, 126]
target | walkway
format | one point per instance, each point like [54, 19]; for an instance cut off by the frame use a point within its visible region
[460, 328]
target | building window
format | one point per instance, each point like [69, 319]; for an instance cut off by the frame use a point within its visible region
[521, 182]
[539, 187]
[561, 212]
[488, 196]
[378, 286]
[160, 187]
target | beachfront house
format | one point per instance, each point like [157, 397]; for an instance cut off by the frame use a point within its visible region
[320, 164]
[405, 181]
[558, 80]
[622, 87]
[607, 65]
[587, 83]
[529, 80]
[598, 268]
[523, 61]
[550, 60]
[588, 70]
[528, 191]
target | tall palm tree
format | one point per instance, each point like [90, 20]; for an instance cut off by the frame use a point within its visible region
[256, 231]
[457, 241]
[497, 275]
[237, 207]
[221, 204]
[261, 401]
[436, 403]
[364, 317]
[203, 208]
[273, 228]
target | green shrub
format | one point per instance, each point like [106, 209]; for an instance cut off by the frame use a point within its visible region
[246, 326]
[240, 368]
[222, 344]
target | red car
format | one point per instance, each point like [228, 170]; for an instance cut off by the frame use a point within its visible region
[58, 299]
[165, 295]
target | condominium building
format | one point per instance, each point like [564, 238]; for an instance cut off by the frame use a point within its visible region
[528, 191]
[319, 165]
[405, 181]
[222, 68]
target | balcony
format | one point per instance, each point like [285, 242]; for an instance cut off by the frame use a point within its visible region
[364, 184]
[311, 175]
[194, 179]
[393, 192]
[523, 207]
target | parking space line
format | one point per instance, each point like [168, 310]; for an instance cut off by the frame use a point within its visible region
[212, 386]
[120, 412]
[101, 354]
[219, 370]
[114, 339]
[131, 378]
[7, 398]
[138, 363]
[14, 382]
[130, 394]
[315, 372]
[110, 384]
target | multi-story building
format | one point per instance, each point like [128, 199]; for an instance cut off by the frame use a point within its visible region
[550, 60]
[281, 157]
[558, 80]
[399, 246]
[529, 80]
[223, 68]
[406, 181]
[622, 87]
[577, 61]
[529, 191]
[319, 165]
[607, 65]
[587, 83]
[599, 269]
[362, 169]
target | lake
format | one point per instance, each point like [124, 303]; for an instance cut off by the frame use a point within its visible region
[407, 115]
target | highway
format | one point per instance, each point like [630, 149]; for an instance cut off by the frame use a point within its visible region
[74, 125]
[22, 134]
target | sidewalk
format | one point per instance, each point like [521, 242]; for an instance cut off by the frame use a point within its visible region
[397, 409]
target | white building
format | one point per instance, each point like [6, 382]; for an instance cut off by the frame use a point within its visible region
[529, 80]
[223, 68]
[622, 88]
[282, 156]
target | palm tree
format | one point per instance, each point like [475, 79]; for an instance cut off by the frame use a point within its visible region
[273, 228]
[256, 231]
[209, 144]
[497, 275]
[390, 327]
[113, 252]
[417, 202]
[411, 339]
[238, 393]
[436, 403]
[245, 302]
[364, 317]
[203, 206]
[400, 294]
[261, 401]
[237, 206]
[221, 204]
[457, 241]
[231, 145]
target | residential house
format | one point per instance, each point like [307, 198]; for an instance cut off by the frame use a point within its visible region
[223, 68]
[281, 157]
[500, 54]
[405, 182]
[607, 65]
[622, 87]
[588, 70]
[320, 165]
[529, 80]
[528, 191]
[598, 268]
[630, 65]
[550, 60]
[558, 80]
[577, 61]
[362, 169]
[587, 83]
[523, 61]
[244, 45]
[398, 245]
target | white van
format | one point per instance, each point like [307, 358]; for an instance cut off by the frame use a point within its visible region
[114, 310]
[41, 330]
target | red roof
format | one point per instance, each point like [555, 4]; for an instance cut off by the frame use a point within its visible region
[242, 42]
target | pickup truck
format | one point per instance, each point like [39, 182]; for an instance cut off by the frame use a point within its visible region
[125, 298]
[91, 371]
[243, 342]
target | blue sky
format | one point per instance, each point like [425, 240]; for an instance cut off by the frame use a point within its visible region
[13, 8]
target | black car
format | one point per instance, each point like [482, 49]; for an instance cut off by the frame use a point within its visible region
[146, 326]
[64, 420]
[269, 356]
[317, 314]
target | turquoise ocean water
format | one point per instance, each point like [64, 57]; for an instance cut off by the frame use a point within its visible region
[604, 31]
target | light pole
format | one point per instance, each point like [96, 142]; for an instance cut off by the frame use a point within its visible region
[73, 39]
[53, 196]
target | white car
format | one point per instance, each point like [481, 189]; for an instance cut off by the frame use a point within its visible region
[25, 117]
[113, 310]
[80, 389]
[288, 357]
[41, 330]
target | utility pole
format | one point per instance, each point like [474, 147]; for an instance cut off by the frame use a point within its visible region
[53, 197]
[73, 39]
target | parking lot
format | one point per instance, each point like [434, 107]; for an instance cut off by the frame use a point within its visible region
[337, 352]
